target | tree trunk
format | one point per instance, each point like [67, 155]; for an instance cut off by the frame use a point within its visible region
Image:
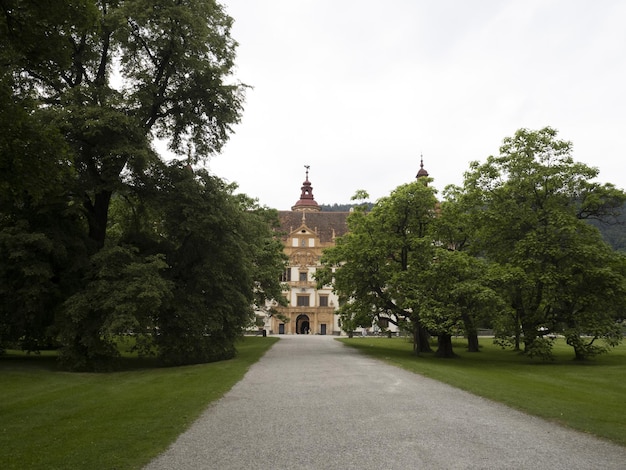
[421, 340]
[519, 317]
[472, 342]
[98, 216]
[518, 330]
[424, 340]
[444, 342]
[529, 330]
[579, 354]
[471, 333]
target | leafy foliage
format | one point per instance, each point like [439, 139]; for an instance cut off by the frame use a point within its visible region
[172, 62]
[526, 211]
[512, 248]
[372, 267]
[221, 254]
[454, 297]
[123, 290]
[97, 236]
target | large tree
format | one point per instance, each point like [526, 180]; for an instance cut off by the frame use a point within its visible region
[527, 209]
[117, 74]
[42, 247]
[186, 263]
[221, 247]
[224, 260]
[372, 265]
[454, 297]
[86, 89]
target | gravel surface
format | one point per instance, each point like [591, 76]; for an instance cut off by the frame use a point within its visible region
[312, 403]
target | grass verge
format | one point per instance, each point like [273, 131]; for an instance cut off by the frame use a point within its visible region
[57, 420]
[588, 396]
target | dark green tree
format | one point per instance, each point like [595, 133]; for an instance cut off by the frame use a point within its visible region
[115, 75]
[466, 280]
[223, 259]
[85, 89]
[589, 295]
[123, 291]
[42, 246]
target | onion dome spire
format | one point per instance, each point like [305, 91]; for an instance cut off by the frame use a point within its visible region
[306, 201]
[422, 172]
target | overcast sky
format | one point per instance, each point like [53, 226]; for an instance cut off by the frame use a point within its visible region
[359, 89]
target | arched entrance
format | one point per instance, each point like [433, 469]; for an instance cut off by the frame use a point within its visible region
[303, 325]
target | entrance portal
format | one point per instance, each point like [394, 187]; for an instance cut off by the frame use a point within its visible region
[302, 325]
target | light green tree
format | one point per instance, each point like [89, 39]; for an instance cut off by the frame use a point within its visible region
[371, 266]
[527, 209]
[454, 296]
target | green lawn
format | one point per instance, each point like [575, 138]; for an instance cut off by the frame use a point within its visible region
[58, 420]
[589, 396]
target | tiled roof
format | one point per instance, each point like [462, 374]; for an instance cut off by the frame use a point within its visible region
[323, 223]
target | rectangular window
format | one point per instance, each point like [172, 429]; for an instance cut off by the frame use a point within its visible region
[303, 300]
[303, 277]
[323, 301]
[286, 276]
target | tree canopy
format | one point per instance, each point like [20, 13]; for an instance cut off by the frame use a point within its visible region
[511, 248]
[98, 237]
[527, 210]
[113, 76]
[371, 266]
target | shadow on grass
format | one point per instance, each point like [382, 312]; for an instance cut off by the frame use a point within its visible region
[489, 355]
[47, 360]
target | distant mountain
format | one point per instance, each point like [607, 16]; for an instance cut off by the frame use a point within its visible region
[614, 233]
[342, 207]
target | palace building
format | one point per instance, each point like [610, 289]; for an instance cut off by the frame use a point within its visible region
[306, 232]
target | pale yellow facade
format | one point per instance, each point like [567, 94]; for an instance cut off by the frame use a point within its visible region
[306, 232]
[310, 310]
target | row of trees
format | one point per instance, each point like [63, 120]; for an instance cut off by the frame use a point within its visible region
[512, 248]
[98, 236]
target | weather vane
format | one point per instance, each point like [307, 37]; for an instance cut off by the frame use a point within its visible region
[307, 170]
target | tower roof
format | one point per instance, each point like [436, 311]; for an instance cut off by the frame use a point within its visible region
[422, 171]
[306, 201]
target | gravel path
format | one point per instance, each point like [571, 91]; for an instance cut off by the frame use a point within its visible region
[312, 403]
